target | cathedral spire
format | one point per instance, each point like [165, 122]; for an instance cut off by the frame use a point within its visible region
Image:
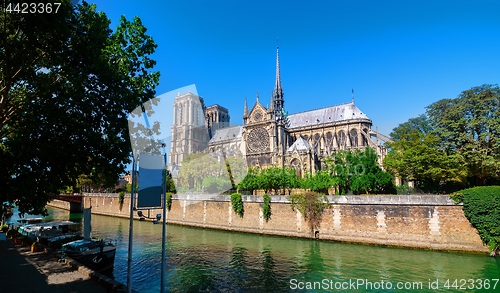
[277, 102]
[278, 92]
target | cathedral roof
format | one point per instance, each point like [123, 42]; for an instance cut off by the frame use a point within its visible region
[228, 133]
[334, 113]
[300, 144]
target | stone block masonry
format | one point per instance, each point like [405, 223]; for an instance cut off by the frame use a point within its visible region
[428, 222]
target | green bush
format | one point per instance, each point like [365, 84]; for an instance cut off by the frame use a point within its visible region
[121, 196]
[482, 209]
[168, 200]
[237, 203]
[266, 208]
[311, 206]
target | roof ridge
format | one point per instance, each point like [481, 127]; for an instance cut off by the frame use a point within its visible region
[321, 108]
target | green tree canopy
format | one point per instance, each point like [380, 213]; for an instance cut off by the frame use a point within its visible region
[457, 139]
[67, 84]
[416, 153]
[470, 126]
[358, 171]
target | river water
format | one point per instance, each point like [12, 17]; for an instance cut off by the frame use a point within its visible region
[203, 260]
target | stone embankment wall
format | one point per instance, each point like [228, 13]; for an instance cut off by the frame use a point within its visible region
[60, 204]
[429, 222]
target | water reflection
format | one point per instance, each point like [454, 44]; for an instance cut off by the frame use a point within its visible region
[213, 261]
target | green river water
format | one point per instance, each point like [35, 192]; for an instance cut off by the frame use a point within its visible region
[202, 260]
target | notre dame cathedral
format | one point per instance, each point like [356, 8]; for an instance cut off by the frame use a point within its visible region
[269, 135]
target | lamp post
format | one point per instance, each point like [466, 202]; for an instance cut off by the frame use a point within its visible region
[131, 229]
[408, 184]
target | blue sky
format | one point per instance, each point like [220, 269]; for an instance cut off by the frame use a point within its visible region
[398, 56]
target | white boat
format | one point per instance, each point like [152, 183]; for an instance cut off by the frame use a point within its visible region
[95, 254]
[45, 232]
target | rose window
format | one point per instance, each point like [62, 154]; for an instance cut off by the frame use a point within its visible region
[258, 141]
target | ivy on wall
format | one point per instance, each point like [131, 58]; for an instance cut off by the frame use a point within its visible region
[481, 206]
[237, 203]
[121, 196]
[168, 200]
[311, 206]
[266, 208]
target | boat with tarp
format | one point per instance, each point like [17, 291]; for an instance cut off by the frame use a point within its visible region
[92, 253]
[51, 234]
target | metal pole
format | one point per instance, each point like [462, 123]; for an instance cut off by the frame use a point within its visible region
[408, 184]
[164, 197]
[131, 230]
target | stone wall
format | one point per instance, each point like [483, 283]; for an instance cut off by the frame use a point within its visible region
[60, 204]
[429, 222]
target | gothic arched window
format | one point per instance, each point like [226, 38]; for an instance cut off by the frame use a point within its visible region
[329, 138]
[342, 137]
[295, 165]
[354, 138]
[316, 138]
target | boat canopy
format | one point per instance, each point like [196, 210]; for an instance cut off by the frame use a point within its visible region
[30, 220]
[27, 229]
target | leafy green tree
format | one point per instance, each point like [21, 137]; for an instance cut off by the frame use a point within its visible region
[67, 84]
[469, 126]
[250, 182]
[368, 176]
[195, 168]
[358, 171]
[292, 179]
[170, 188]
[417, 153]
[271, 179]
[215, 185]
[320, 181]
[338, 166]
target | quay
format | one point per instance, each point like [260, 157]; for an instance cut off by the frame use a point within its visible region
[24, 271]
[431, 222]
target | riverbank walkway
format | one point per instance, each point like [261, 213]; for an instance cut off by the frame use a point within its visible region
[24, 271]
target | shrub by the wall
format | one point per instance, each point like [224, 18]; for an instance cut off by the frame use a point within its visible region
[121, 196]
[237, 203]
[311, 205]
[482, 209]
[266, 208]
[168, 200]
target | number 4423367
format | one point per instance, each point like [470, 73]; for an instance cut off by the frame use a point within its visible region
[32, 7]
[471, 284]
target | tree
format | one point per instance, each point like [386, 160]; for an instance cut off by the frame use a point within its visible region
[320, 181]
[470, 127]
[250, 181]
[338, 166]
[417, 153]
[67, 85]
[195, 168]
[292, 179]
[358, 171]
[368, 176]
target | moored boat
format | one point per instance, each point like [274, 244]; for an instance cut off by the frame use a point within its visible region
[95, 254]
[47, 231]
